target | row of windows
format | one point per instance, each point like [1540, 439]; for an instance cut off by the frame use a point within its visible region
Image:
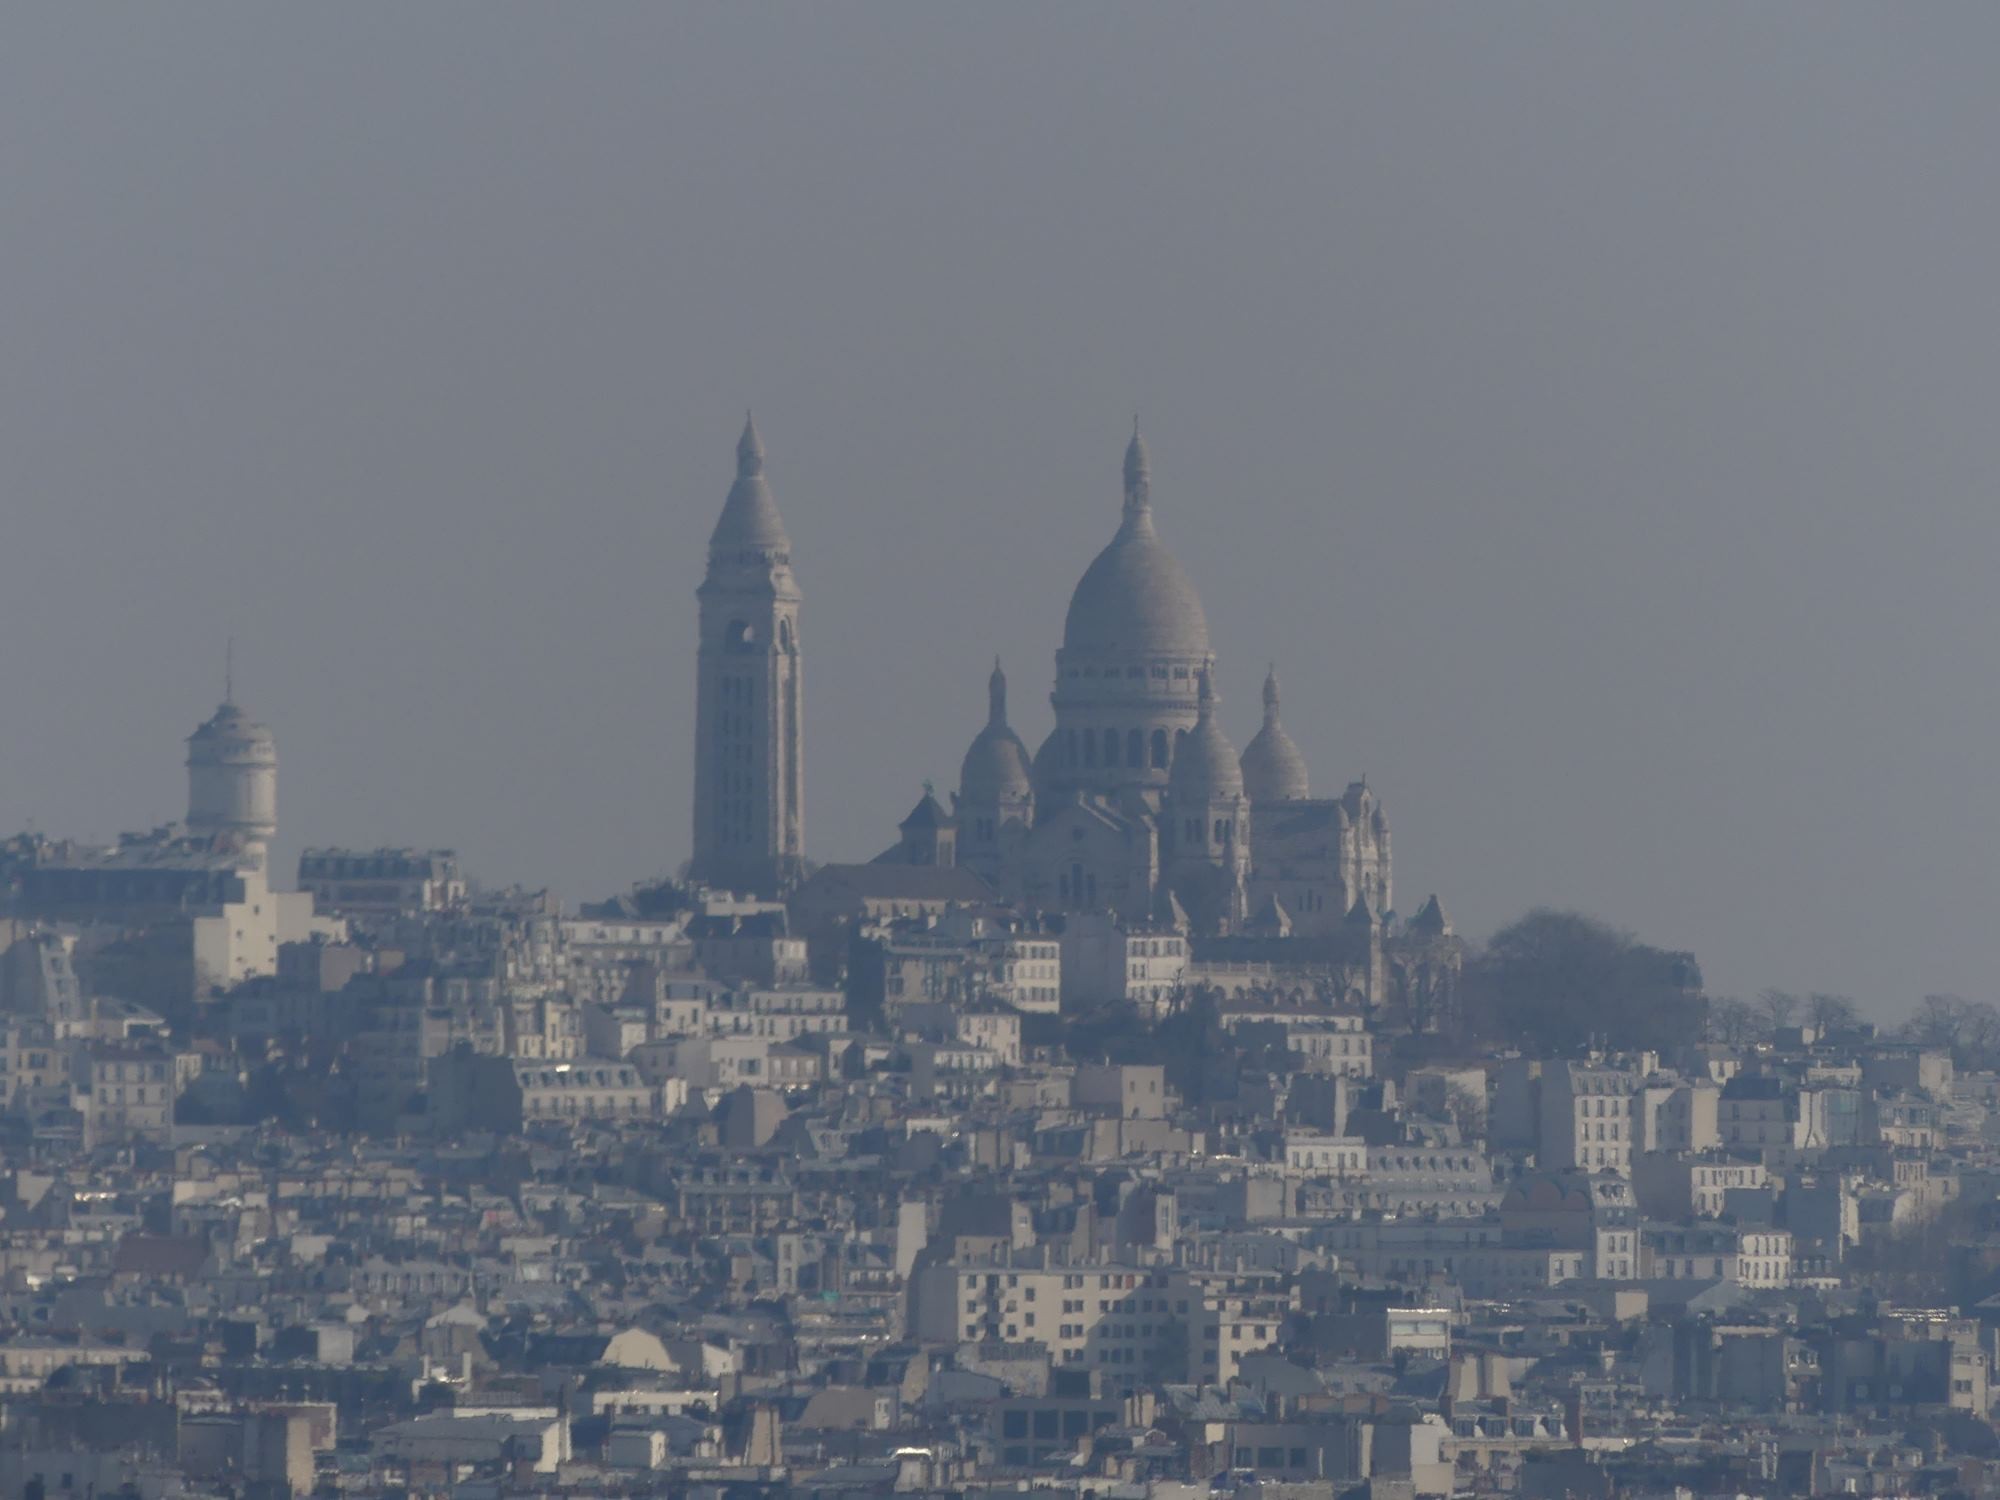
[1161, 671]
[565, 1104]
[1082, 747]
[1107, 1281]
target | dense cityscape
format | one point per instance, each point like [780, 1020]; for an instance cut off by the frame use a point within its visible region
[1116, 1131]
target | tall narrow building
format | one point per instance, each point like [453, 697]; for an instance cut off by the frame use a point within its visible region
[749, 811]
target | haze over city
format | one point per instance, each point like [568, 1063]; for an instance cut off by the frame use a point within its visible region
[1588, 410]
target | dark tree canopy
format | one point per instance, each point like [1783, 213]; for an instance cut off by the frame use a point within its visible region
[1556, 983]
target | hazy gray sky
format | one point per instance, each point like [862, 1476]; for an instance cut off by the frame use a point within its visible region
[1590, 408]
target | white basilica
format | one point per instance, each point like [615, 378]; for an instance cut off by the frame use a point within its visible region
[1137, 802]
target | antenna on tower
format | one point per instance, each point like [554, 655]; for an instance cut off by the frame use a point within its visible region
[229, 671]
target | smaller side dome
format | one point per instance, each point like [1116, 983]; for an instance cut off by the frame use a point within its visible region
[1273, 768]
[1205, 767]
[995, 767]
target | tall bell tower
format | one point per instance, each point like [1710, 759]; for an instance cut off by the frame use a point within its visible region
[749, 810]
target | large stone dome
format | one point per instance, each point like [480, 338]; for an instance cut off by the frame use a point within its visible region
[1134, 599]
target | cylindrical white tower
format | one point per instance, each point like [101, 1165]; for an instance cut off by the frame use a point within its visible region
[233, 784]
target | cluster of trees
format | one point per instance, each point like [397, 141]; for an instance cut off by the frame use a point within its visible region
[1738, 1021]
[1558, 983]
[1968, 1029]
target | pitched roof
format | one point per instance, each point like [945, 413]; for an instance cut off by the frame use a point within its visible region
[160, 1255]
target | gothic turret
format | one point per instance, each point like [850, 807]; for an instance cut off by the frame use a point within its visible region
[749, 817]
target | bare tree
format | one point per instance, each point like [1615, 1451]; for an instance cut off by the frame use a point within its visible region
[1731, 1021]
[1777, 1007]
[1939, 1021]
[1829, 1012]
[1979, 1031]
[1468, 1112]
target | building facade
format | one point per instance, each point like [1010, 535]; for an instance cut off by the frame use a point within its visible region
[1137, 802]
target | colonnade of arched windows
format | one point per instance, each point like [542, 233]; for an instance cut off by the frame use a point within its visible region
[1090, 748]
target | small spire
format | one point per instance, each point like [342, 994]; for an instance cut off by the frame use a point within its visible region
[1271, 694]
[1138, 473]
[229, 670]
[749, 450]
[1206, 696]
[996, 697]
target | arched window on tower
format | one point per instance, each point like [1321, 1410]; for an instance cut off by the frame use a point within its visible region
[1069, 748]
[1135, 748]
[1159, 749]
[1111, 747]
[1089, 748]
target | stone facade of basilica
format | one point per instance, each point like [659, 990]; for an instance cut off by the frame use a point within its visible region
[1136, 804]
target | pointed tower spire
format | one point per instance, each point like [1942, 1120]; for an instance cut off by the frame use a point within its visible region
[996, 698]
[1271, 695]
[749, 824]
[229, 670]
[1206, 696]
